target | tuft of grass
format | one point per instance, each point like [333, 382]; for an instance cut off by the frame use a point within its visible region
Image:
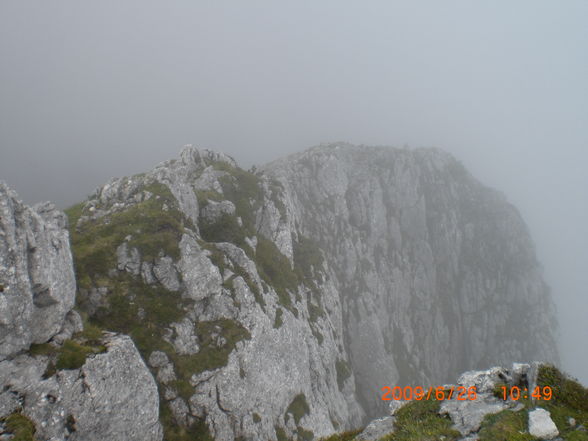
[505, 426]
[569, 399]
[420, 420]
[20, 426]
[298, 408]
[73, 354]
[43, 349]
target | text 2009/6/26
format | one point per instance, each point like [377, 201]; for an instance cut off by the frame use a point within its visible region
[418, 393]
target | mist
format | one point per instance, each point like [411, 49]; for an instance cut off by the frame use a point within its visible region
[90, 90]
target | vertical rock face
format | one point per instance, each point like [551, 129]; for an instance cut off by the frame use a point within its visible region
[65, 383]
[436, 273]
[37, 283]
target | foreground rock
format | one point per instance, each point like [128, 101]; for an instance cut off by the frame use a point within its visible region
[57, 382]
[37, 284]
[111, 396]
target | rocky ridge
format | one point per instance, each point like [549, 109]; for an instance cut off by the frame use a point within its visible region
[277, 303]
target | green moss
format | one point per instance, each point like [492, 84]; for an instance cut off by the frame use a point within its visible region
[20, 426]
[344, 436]
[420, 420]
[343, 372]
[278, 321]
[505, 426]
[256, 418]
[298, 408]
[211, 356]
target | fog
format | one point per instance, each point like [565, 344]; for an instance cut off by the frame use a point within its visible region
[90, 90]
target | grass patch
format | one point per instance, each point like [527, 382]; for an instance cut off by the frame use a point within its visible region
[420, 420]
[505, 426]
[256, 418]
[570, 399]
[42, 349]
[298, 408]
[73, 354]
[20, 426]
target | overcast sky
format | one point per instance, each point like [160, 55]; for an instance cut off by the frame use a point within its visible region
[90, 90]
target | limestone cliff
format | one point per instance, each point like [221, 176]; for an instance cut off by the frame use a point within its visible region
[58, 381]
[436, 273]
[275, 304]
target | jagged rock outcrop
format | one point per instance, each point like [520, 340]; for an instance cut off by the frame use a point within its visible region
[37, 283]
[64, 383]
[276, 304]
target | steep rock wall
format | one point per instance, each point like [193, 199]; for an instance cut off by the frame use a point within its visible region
[436, 273]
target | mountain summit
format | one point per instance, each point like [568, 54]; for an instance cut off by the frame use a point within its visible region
[277, 302]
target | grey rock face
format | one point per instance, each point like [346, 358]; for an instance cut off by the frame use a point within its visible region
[112, 396]
[36, 273]
[436, 273]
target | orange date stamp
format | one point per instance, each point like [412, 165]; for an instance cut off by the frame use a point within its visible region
[419, 393]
